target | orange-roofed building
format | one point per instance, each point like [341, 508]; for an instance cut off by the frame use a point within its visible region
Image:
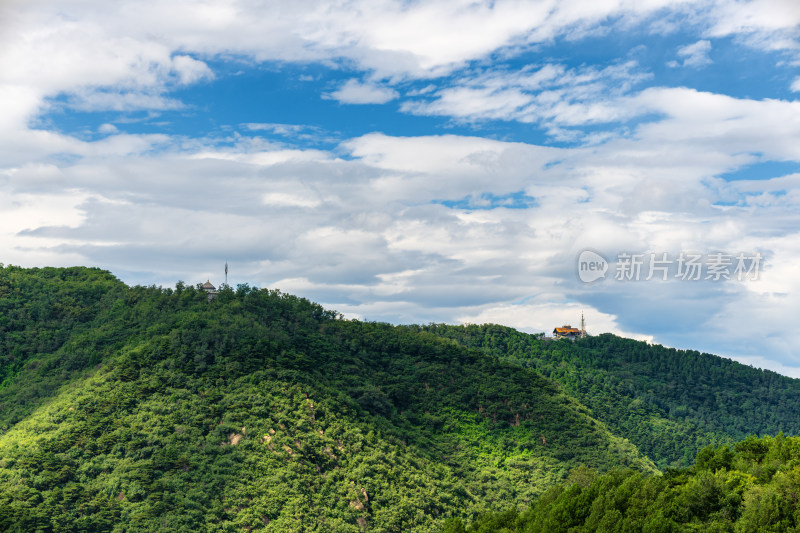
[566, 332]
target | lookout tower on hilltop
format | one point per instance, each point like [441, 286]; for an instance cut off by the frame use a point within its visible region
[210, 290]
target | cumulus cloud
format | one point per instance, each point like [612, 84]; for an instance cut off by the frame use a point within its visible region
[107, 128]
[551, 95]
[693, 55]
[190, 70]
[138, 47]
[356, 92]
[732, 125]
[764, 24]
[94, 99]
[51, 54]
[289, 199]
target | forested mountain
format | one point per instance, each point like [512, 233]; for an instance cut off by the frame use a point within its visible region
[149, 409]
[669, 403]
[749, 487]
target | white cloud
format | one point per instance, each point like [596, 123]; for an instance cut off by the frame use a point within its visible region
[107, 128]
[552, 95]
[356, 92]
[280, 129]
[765, 24]
[729, 125]
[93, 99]
[694, 55]
[25, 211]
[478, 103]
[18, 104]
[796, 85]
[294, 132]
[140, 47]
[289, 199]
[544, 317]
[190, 70]
[94, 60]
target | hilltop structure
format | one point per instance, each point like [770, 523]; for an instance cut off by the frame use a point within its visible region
[568, 332]
[210, 290]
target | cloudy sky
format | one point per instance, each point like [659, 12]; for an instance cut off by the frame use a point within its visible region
[421, 161]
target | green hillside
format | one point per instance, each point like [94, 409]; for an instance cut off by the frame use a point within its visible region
[669, 403]
[149, 409]
[749, 487]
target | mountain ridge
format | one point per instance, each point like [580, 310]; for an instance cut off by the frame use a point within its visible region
[149, 408]
[670, 403]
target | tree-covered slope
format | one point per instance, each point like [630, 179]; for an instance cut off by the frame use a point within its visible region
[41, 309]
[669, 403]
[148, 409]
[749, 487]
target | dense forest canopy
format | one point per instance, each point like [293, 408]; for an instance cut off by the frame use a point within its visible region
[749, 487]
[670, 403]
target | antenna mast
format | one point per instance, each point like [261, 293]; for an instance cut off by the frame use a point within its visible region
[226, 272]
[583, 326]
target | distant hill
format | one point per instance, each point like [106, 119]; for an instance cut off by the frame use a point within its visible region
[149, 409]
[669, 403]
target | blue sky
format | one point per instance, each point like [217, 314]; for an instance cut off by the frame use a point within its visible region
[440, 161]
